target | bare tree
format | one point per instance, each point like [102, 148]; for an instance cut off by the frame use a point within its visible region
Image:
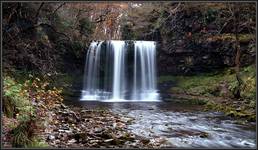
[237, 48]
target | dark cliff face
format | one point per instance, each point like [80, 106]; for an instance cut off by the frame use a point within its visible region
[195, 46]
[195, 37]
[200, 44]
[205, 56]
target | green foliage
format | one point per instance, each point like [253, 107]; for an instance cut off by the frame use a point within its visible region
[128, 33]
[37, 143]
[248, 89]
[197, 85]
[190, 101]
[67, 81]
[167, 78]
[22, 99]
[243, 38]
[210, 16]
[76, 48]
[209, 84]
[15, 96]
[12, 125]
[20, 134]
[86, 27]
[24, 134]
[230, 111]
[233, 86]
[61, 23]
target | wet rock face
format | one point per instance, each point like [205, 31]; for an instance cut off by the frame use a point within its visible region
[206, 56]
[187, 45]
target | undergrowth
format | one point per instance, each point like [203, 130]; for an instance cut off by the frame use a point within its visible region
[27, 99]
[210, 84]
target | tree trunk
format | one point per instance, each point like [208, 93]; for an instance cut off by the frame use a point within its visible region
[238, 52]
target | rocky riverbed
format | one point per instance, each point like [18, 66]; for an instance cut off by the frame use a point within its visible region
[81, 127]
[174, 125]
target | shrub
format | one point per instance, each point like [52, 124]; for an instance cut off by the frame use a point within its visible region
[26, 101]
[16, 100]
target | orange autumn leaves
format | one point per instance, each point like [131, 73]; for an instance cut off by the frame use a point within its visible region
[40, 90]
[33, 90]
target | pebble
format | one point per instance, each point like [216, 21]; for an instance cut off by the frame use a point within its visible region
[108, 140]
[97, 130]
[60, 130]
[68, 131]
[93, 126]
[72, 141]
[51, 137]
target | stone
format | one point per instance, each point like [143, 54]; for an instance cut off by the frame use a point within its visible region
[204, 135]
[238, 109]
[108, 140]
[63, 106]
[51, 137]
[68, 131]
[71, 141]
[124, 119]
[60, 130]
[97, 130]
[94, 141]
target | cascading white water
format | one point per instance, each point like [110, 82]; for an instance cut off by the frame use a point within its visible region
[144, 83]
[91, 91]
[117, 71]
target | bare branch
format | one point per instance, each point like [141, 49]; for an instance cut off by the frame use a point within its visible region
[36, 26]
[58, 8]
[37, 14]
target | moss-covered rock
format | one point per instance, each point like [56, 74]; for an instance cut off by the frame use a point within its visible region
[218, 89]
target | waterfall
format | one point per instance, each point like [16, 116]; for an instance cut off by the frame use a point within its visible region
[118, 71]
[144, 83]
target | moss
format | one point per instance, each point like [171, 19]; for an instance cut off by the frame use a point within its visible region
[190, 101]
[248, 76]
[198, 102]
[230, 111]
[209, 84]
[167, 78]
[176, 90]
[231, 37]
[37, 143]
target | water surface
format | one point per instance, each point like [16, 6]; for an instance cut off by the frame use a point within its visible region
[183, 126]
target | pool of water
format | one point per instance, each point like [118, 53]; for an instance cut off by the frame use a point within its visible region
[183, 126]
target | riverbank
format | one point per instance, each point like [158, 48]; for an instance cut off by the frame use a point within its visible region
[215, 91]
[75, 127]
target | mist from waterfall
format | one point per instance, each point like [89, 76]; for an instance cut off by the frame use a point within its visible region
[117, 71]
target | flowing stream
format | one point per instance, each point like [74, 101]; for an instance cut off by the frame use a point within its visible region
[120, 71]
[183, 126]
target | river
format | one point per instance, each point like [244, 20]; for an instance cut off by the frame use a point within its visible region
[182, 126]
